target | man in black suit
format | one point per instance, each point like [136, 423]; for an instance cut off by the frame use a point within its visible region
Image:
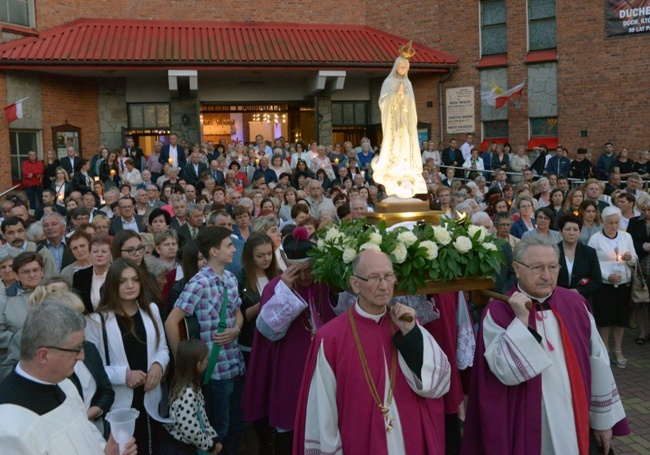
[451, 156]
[68, 162]
[132, 151]
[173, 151]
[194, 169]
[194, 225]
[90, 203]
[216, 173]
[127, 219]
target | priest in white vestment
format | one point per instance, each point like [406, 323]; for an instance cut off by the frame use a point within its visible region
[41, 411]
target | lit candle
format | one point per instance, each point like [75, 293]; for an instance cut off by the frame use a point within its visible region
[101, 200]
[363, 173]
[112, 172]
[96, 179]
[336, 161]
[257, 161]
[170, 161]
[60, 197]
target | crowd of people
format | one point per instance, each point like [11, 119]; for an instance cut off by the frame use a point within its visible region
[190, 268]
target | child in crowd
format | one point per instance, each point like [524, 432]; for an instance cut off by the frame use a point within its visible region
[190, 432]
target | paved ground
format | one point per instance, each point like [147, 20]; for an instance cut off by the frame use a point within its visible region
[633, 384]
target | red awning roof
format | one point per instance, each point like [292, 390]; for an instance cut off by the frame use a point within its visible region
[486, 143]
[550, 142]
[138, 44]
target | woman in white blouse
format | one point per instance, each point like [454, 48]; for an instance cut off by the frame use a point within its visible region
[617, 258]
[128, 331]
[474, 162]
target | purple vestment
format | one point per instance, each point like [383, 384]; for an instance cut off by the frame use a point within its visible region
[275, 370]
[505, 419]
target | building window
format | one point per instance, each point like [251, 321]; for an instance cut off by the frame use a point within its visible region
[149, 116]
[20, 143]
[543, 127]
[18, 12]
[542, 25]
[493, 27]
[350, 113]
[497, 129]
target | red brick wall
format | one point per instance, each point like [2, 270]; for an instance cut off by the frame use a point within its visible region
[602, 83]
[50, 13]
[75, 100]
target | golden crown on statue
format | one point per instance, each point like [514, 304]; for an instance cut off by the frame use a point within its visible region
[407, 50]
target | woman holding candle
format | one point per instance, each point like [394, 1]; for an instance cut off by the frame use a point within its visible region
[617, 258]
[109, 172]
[62, 186]
[321, 161]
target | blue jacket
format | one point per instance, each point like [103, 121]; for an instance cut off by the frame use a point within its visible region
[604, 166]
[559, 165]
[519, 227]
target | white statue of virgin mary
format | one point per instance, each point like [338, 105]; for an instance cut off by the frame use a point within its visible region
[399, 164]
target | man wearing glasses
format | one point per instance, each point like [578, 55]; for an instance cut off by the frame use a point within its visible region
[371, 366]
[41, 410]
[541, 381]
[127, 218]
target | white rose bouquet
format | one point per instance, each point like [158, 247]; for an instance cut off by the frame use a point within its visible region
[424, 252]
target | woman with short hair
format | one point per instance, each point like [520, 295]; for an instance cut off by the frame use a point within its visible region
[617, 258]
[79, 244]
[7, 274]
[89, 282]
[524, 205]
[14, 305]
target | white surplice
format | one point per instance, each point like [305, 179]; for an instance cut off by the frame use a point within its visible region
[514, 356]
[321, 425]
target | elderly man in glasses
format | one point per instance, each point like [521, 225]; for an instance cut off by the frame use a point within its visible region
[41, 410]
[541, 380]
[370, 365]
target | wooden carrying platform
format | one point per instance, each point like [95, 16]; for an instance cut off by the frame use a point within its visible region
[459, 284]
[398, 212]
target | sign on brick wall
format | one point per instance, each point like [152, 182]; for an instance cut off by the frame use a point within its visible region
[627, 17]
[460, 110]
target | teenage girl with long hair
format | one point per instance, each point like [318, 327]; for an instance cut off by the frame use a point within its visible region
[128, 332]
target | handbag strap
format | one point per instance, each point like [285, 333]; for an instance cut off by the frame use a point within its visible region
[105, 338]
[216, 348]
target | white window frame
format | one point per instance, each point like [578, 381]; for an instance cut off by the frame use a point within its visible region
[528, 26]
[480, 30]
[31, 14]
[39, 147]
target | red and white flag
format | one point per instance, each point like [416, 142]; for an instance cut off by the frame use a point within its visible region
[497, 99]
[502, 99]
[14, 111]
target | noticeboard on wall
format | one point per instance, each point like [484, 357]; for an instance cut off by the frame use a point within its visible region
[460, 110]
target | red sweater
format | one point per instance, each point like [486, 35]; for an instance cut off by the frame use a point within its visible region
[36, 169]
